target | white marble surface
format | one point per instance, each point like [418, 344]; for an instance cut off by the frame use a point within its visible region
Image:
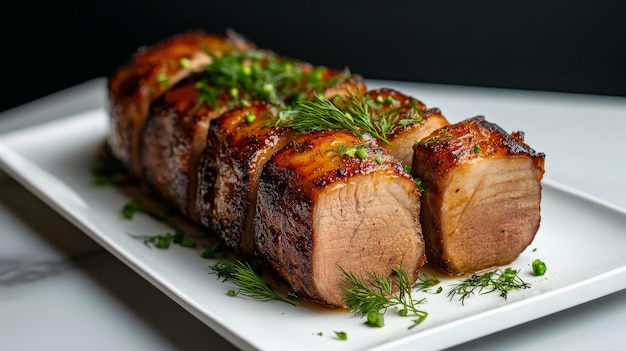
[61, 291]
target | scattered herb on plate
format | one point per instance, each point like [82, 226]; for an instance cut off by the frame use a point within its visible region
[539, 267]
[250, 284]
[372, 298]
[498, 280]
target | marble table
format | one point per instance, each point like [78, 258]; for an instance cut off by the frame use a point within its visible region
[59, 290]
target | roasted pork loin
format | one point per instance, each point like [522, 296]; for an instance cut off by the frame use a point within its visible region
[175, 133]
[196, 119]
[403, 136]
[481, 203]
[172, 140]
[238, 145]
[152, 71]
[319, 209]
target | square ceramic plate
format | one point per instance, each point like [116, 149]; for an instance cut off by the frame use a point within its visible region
[581, 240]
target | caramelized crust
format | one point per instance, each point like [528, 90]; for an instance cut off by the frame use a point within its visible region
[238, 146]
[318, 210]
[481, 204]
[307, 204]
[402, 137]
[173, 139]
[151, 71]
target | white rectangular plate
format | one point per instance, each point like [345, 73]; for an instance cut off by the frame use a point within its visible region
[580, 239]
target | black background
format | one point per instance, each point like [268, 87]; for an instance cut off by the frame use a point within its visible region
[570, 46]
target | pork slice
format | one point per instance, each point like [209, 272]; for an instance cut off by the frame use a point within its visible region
[173, 139]
[404, 135]
[152, 71]
[481, 203]
[319, 209]
[238, 145]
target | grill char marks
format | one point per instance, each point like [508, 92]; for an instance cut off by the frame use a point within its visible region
[238, 145]
[318, 210]
[481, 206]
[152, 71]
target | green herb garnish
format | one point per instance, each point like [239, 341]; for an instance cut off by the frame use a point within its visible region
[372, 298]
[131, 208]
[210, 251]
[425, 283]
[341, 335]
[160, 241]
[162, 78]
[358, 150]
[249, 282]
[420, 184]
[353, 112]
[496, 280]
[436, 138]
[184, 62]
[539, 267]
[262, 75]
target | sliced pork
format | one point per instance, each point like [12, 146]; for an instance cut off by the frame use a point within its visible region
[482, 193]
[238, 146]
[331, 199]
[404, 107]
[175, 132]
[173, 138]
[151, 71]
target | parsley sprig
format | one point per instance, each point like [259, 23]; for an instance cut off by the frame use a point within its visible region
[261, 75]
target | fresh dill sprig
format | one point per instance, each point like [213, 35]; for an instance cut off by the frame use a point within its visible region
[498, 280]
[372, 298]
[425, 283]
[436, 138]
[353, 112]
[250, 284]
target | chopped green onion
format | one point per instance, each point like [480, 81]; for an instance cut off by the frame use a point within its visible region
[341, 335]
[234, 92]
[377, 319]
[539, 267]
[361, 153]
[161, 78]
[250, 117]
[184, 62]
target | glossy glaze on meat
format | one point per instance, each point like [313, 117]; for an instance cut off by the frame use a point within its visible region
[319, 209]
[152, 71]
[402, 137]
[238, 146]
[173, 138]
[306, 204]
[481, 203]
